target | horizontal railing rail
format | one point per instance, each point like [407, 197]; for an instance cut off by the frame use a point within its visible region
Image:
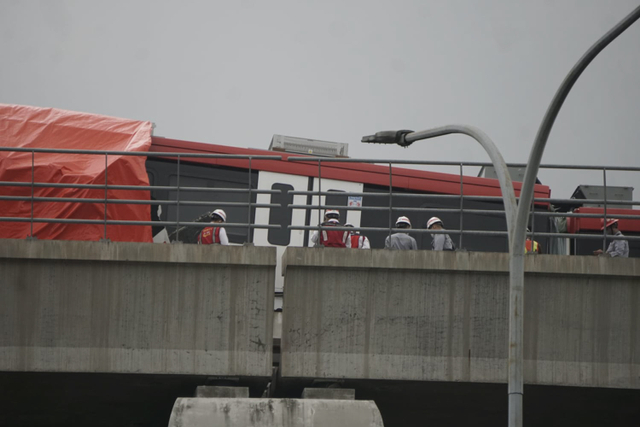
[125, 222]
[393, 194]
[457, 232]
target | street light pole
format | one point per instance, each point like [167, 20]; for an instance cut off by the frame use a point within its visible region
[517, 215]
[516, 250]
[516, 258]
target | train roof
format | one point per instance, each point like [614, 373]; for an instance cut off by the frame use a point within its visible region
[366, 173]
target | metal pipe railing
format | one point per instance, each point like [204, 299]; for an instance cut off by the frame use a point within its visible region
[447, 163]
[126, 222]
[250, 191]
[470, 232]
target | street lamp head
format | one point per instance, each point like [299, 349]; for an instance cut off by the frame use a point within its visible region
[389, 137]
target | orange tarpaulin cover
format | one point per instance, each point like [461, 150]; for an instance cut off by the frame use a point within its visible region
[33, 127]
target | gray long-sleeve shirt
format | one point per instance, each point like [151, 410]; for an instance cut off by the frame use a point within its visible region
[442, 242]
[400, 241]
[618, 248]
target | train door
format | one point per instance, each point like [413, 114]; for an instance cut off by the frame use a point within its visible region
[283, 237]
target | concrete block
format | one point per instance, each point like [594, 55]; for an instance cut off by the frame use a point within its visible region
[443, 316]
[220, 391]
[194, 412]
[121, 307]
[329, 393]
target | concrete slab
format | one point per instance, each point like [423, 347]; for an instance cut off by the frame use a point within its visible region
[193, 412]
[329, 393]
[221, 391]
[136, 308]
[442, 316]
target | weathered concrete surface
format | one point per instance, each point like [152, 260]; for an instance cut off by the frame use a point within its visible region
[442, 316]
[136, 308]
[194, 412]
[221, 391]
[329, 393]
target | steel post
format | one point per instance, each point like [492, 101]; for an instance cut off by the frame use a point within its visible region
[526, 195]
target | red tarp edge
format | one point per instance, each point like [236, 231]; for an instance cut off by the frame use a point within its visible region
[34, 127]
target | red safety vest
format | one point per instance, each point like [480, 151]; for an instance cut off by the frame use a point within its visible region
[527, 246]
[355, 241]
[209, 236]
[334, 238]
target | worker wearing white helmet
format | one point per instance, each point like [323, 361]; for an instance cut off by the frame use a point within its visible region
[439, 242]
[331, 238]
[216, 234]
[617, 248]
[358, 241]
[401, 240]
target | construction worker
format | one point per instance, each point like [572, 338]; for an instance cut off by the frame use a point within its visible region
[531, 246]
[617, 248]
[357, 240]
[329, 214]
[332, 238]
[214, 235]
[439, 242]
[401, 240]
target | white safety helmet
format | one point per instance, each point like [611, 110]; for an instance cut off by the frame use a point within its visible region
[403, 220]
[220, 214]
[433, 220]
[332, 213]
[348, 224]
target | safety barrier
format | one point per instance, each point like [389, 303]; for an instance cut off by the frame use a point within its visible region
[250, 206]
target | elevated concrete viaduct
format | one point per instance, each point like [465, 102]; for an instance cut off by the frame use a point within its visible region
[113, 333]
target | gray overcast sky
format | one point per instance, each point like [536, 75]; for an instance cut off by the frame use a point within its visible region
[236, 72]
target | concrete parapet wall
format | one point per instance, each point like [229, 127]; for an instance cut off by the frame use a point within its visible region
[136, 308]
[443, 316]
[219, 412]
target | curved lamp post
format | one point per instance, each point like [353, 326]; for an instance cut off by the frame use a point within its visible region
[405, 138]
[516, 268]
[517, 217]
[516, 261]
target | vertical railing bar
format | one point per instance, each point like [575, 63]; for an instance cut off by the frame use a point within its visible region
[106, 186]
[249, 210]
[604, 223]
[461, 207]
[33, 155]
[178, 202]
[390, 200]
[533, 224]
[319, 198]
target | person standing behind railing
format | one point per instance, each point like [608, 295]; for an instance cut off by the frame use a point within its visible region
[331, 218]
[531, 246]
[439, 242]
[357, 240]
[215, 235]
[334, 238]
[617, 248]
[401, 241]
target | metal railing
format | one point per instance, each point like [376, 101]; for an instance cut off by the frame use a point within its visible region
[106, 187]
[461, 211]
[390, 209]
